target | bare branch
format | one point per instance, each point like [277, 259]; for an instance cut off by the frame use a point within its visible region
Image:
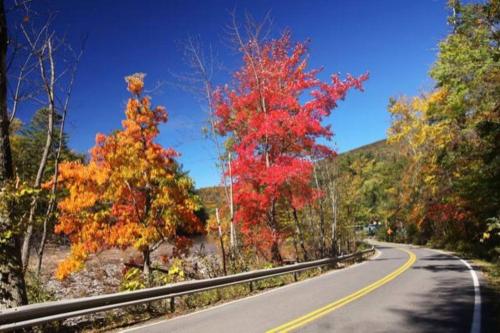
[20, 79]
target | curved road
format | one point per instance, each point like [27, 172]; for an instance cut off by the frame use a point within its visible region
[401, 289]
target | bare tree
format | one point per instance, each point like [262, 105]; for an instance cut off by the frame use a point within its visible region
[40, 81]
[53, 192]
[200, 83]
[12, 286]
[45, 56]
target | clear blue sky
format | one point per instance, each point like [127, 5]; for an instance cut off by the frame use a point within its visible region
[395, 41]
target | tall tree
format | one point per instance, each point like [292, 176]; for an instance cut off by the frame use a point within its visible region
[467, 70]
[451, 136]
[273, 134]
[12, 287]
[46, 63]
[131, 193]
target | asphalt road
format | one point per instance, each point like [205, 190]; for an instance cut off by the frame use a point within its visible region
[402, 289]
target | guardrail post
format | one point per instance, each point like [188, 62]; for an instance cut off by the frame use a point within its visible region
[251, 286]
[172, 304]
[295, 276]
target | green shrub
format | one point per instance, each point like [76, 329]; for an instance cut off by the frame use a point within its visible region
[36, 289]
[132, 280]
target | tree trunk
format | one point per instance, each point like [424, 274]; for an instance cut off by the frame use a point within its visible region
[296, 249]
[321, 216]
[300, 234]
[41, 248]
[7, 172]
[233, 236]
[146, 268]
[332, 189]
[275, 252]
[275, 249]
[334, 224]
[12, 286]
[221, 239]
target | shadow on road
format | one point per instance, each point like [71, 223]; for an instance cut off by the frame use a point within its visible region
[440, 268]
[448, 310]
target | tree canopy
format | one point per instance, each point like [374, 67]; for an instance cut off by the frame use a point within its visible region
[131, 193]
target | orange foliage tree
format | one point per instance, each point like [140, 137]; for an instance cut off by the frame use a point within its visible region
[131, 193]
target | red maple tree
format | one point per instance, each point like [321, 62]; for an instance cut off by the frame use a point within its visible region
[274, 134]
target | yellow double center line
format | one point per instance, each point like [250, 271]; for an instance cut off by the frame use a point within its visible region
[301, 321]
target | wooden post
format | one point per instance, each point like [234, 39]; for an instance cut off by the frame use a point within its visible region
[172, 304]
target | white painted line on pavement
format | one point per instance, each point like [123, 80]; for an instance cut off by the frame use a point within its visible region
[476, 316]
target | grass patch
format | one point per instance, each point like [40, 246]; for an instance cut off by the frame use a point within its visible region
[490, 292]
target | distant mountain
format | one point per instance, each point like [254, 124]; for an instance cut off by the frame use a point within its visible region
[214, 195]
[374, 146]
[211, 197]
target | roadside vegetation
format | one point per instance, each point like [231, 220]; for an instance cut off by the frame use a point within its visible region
[447, 194]
[448, 139]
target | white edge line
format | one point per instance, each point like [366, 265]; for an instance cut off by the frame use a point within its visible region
[476, 316]
[210, 308]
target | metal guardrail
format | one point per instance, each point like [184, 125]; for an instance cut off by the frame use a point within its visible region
[34, 314]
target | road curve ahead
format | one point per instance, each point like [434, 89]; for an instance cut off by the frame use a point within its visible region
[402, 289]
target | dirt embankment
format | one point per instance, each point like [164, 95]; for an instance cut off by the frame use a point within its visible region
[103, 272]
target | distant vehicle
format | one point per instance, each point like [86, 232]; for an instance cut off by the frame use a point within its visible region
[372, 228]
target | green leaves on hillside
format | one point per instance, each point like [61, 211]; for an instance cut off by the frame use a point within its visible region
[451, 136]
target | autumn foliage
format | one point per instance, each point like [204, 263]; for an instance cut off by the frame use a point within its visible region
[450, 139]
[131, 193]
[274, 134]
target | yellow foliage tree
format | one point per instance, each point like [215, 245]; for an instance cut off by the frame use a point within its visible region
[424, 136]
